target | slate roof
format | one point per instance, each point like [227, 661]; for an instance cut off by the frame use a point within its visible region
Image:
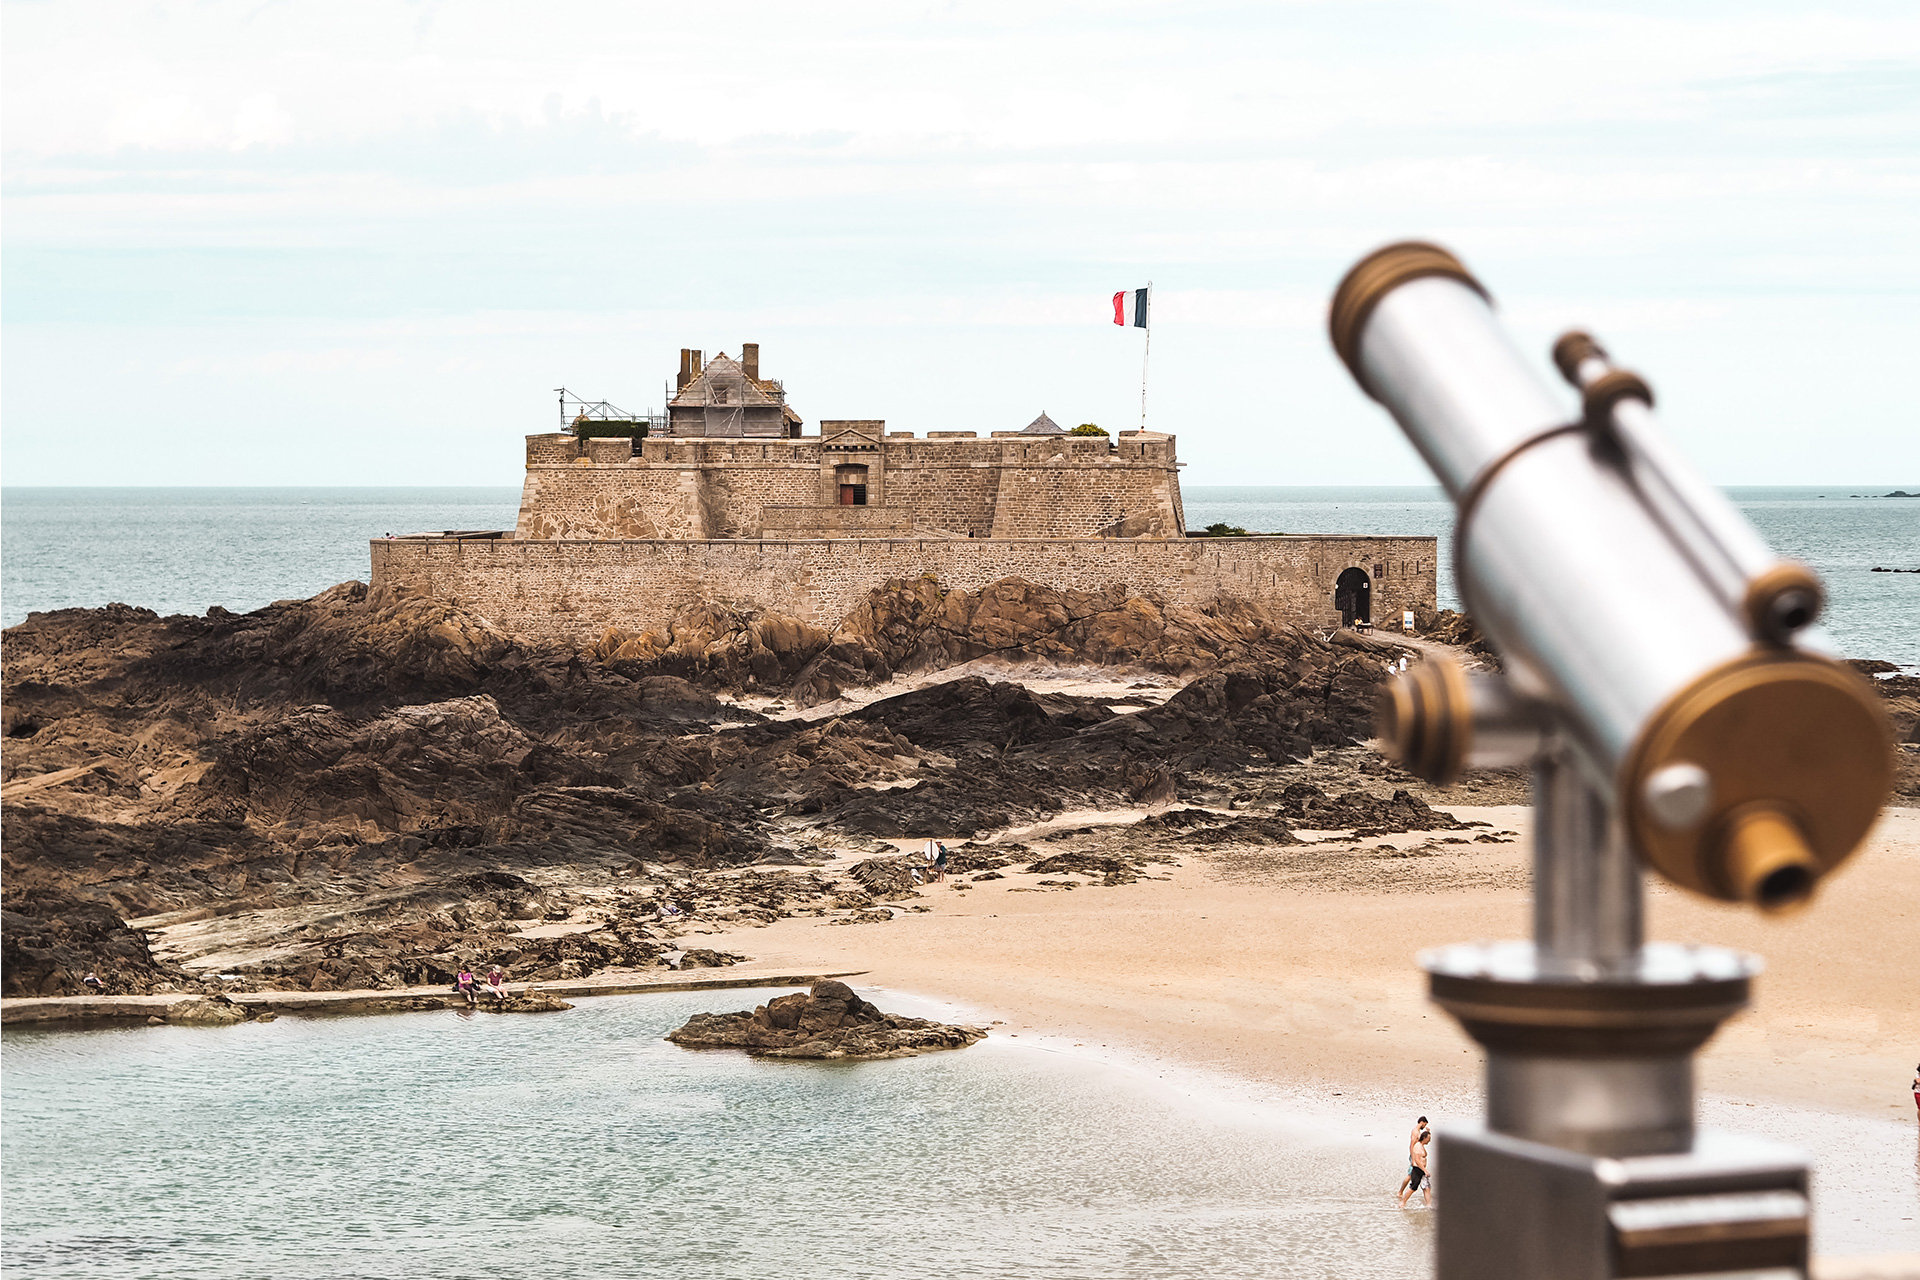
[1042, 426]
[724, 382]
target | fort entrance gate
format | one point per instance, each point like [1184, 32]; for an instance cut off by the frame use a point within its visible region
[1353, 597]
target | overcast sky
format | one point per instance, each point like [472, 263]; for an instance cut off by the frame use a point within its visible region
[339, 243]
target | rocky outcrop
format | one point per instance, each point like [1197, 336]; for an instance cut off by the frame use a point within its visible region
[531, 1001]
[913, 625]
[830, 1021]
[361, 793]
[212, 1012]
[51, 939]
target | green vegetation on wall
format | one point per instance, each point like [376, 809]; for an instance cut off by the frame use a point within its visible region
[1088, 429]
[588, 429]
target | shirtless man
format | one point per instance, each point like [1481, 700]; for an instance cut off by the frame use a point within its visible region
[1417, 1179]
[1413, 1136]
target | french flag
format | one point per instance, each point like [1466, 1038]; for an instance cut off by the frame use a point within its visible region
[1139, 306]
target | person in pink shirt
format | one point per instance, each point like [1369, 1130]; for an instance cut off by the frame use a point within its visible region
[463, 983]
[497, 983]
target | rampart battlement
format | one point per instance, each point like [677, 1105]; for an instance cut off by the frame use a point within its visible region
[1132, 448]
[951, 483]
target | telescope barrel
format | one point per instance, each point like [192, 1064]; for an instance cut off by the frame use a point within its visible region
[1619, 585]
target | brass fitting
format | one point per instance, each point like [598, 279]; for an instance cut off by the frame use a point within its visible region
[1425, 721]
[1781, 601]
[1373, 278]
[1766, 860]
[1790, 757]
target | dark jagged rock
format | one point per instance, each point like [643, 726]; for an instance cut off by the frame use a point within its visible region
[531, 1001]
[890, 877]
[707, 958]
[1107, 870]
[1306, 806]
[982, 715]
[1201, 828]
[217, 1011]
[830, 1021]
[50, 941]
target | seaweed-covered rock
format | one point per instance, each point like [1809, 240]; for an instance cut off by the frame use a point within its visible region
[830, 1021]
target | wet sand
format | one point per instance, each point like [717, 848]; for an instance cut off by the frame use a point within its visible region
[1226, 966]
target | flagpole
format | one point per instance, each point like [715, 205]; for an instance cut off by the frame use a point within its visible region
[1145, 354]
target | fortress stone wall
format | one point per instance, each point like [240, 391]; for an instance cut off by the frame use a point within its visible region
[949, 484]
[622, 532]
[574, 590]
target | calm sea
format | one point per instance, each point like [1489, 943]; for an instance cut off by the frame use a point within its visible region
[581, 1144]
[181, 550]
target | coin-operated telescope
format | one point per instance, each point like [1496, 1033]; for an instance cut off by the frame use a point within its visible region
[1661, 676]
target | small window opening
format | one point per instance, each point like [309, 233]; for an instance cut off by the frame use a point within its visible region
[853, 485]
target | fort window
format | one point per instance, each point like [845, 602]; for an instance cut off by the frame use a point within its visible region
[1353, 597]
[853, 485]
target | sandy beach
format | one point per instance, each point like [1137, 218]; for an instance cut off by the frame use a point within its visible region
[1259, 973]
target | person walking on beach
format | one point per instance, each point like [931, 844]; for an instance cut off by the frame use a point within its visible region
[940, 862]
[1916, 1088]
[1417, 1177]
[1413, 1138]
[463, 983]
[497, 984]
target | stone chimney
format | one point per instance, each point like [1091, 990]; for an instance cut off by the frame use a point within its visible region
[750, 359]
[689, 367]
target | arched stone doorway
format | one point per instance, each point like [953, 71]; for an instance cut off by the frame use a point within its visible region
[1353, 597]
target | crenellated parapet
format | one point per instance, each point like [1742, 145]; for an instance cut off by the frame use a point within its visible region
[1006, 485]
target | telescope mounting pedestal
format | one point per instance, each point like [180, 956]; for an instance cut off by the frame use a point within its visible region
[1589, 1167]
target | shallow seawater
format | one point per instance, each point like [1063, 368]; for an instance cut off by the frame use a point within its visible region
[582, 1144]
[442, 1144]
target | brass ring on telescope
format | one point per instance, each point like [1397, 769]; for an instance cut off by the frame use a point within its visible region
[1797, 751]
[1424, 720]
[1373, 278]
[1571, 349]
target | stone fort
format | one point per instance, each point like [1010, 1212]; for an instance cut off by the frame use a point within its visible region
[726, 499]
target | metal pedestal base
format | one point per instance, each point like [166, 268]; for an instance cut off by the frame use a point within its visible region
[1518, 1210]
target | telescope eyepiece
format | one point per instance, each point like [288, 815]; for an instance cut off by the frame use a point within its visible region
[1765, 860]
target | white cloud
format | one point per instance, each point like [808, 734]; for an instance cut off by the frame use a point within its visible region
[287, 195]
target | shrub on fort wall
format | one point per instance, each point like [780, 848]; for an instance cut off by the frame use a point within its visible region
[1088, 429]
[1221, 530]
[609, 427]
